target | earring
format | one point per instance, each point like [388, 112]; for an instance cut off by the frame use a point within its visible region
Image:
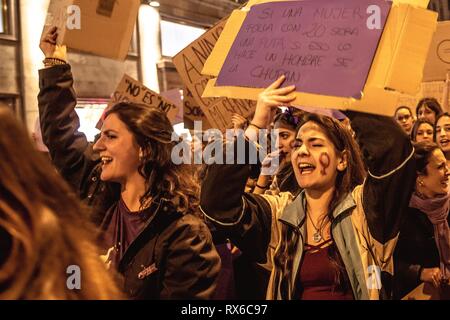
[421, 183]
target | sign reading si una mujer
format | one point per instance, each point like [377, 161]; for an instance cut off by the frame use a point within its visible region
[323, 47]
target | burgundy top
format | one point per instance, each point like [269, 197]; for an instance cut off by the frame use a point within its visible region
[123, 229]
[316, 277]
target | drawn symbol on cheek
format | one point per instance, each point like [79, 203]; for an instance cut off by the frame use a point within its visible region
[325, 162]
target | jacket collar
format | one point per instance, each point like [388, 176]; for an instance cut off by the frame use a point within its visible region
[295, 212]
[163, 212]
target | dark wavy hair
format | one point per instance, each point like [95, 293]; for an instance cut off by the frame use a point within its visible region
[290, 118]
[153, 133]
[422, 154]
[416, 126]
[345, 182]
[44, 228]
[431, 103]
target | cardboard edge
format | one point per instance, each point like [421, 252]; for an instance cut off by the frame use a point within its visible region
[223, 45]
[369, 103]
[416, 3]
[131, 24]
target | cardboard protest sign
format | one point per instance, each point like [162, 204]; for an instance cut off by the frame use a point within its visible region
[438, 63]
[101, 27]
[189, 63]
[434, 89]
[425, 291]
[131, 90]
[417, 3]
[176, 97]
[315, 47]
[396, 67]
[192, 111]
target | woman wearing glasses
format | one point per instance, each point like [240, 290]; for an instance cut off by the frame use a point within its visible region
[404, 118]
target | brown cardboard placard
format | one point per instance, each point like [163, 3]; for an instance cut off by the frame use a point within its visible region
[175, 96]
[192, 111]
[101, 27]
[438, 63]
[189, 63]
[424, 291]
[433, 89]
[131, 90]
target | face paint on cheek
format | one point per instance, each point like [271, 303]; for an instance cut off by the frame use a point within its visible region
[325, 162]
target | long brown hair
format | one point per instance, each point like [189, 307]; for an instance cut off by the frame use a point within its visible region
[153, 133]
[345, 182]
[43, 227]
[416, 126]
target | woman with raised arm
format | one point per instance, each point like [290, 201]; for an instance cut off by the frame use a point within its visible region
[336, 239]
[146, 206]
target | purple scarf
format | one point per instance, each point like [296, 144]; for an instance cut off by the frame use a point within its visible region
[436, 210]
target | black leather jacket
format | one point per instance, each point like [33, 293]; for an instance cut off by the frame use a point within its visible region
[179, 246]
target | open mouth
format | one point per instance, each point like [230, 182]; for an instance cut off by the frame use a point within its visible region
[106, 161]
[444, 142]
[306, 168]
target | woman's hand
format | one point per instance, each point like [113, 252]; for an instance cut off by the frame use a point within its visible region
[431, 275]
[49, 47]
[271, 98]
[271, 163]
[239, 122]
[48, 42]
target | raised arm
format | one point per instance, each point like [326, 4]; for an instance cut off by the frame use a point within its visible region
[245, 218]
[388, 154]
[70, 151]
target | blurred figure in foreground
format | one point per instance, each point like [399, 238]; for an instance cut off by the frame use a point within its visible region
[42, 230]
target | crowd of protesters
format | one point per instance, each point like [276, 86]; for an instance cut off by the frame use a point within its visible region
[357, 209]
